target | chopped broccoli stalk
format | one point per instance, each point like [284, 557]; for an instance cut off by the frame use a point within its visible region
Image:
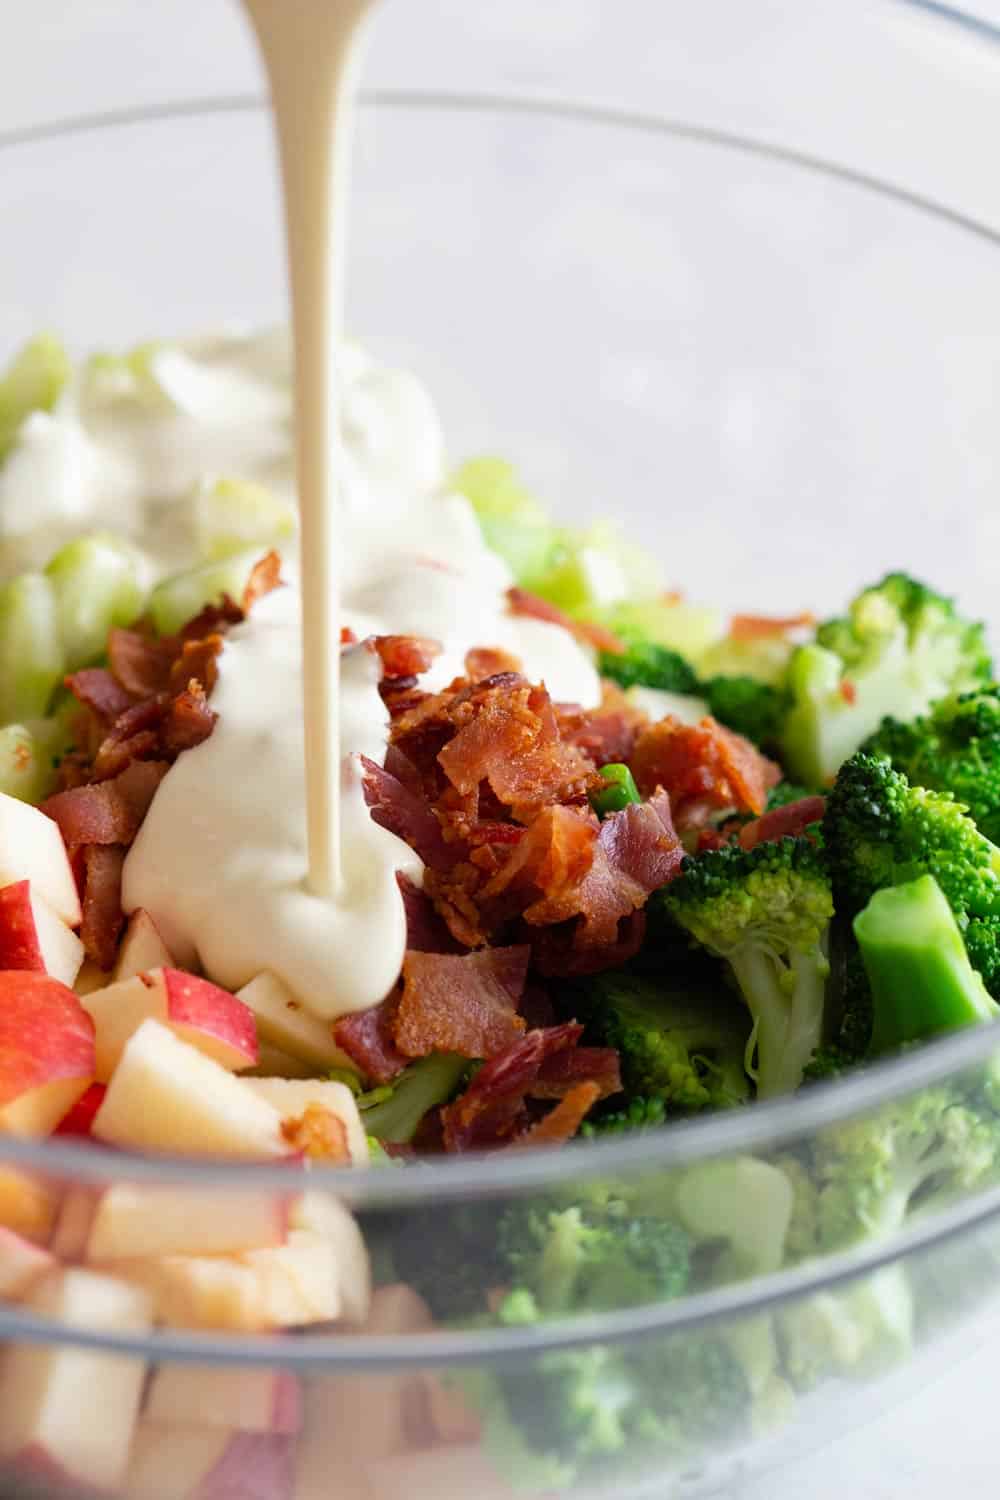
[766, 912]
[680, 1045]
[647, 664]
[26, 769]
[742, 1203]
[176, 600]
[899, 649]
[850, 1023]
[33, 381]
[394, 1114]
[921, 978]
[96, 584]
[513, 523]
[32, 661]
[754, 709]
[955, 748]
[620, 790]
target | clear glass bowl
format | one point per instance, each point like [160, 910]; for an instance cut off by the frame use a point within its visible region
[772, 357]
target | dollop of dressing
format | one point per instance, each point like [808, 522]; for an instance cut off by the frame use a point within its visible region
[221, 860]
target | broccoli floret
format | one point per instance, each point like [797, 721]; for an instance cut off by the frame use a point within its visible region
[641, 1113]
[393, 1113]
[899, 649]
[982, 943]
[645, 664]
[879, 830]
[913, 1153]
[855, 1332]
[766, 912]
[754, 709]
[683, 1047]
[849, 1009]
[955, 748]
[921, 978]
[802, 1236]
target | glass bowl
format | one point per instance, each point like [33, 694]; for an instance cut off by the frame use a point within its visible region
[766, 343]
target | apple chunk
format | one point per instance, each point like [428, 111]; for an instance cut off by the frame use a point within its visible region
[28, 1204]
[291, 1097]
[72, 1411]
[168, 1462]
[142, 948]
[32, 936]
[46, 1052]
[324, 1215]
[79, 1120]
[31, 848]
[285, 1023]
[167, 1096]
[446, 1473]
[132, 1221]
[76, 1215]
[21, 1264]
[198, 1012]
[248, 1399]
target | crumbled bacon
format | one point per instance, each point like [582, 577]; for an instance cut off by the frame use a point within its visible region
[265, 575]
[492, 1108]
[702, 766]
[318, 1134]
[523, 603]
[140, 661]
[188, 720]
[405, 655]
[488, 661]
[106, 812]
[460, 1003]
[792, 820]
[367, 1038]
[103, 918]
[426, 932]
[606, 734]
[99, 690]
[761, 627]
[197, 661]
[562, 1122]
[406, 814]
[564, 1070]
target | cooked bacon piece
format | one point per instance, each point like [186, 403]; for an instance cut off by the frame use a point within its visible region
[103, 918]
[557, 952]
[492, 1108]
[211, 619]
[702, 766]
[563, 1122]
[188, 719]
[425, 930]
[406, 814]
[106, 812]
[790, 820]
[489, 661]
[99, 690]
[606, 734]
[544, 875]
[140, 662]
[564, 1070]
[523, 603]
[405, 655]
[760, 627]
[465, 1003]
[318, 1134]
[265, 575]
[367, 1038]
[197, 662]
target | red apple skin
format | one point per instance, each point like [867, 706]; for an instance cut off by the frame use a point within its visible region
[287, 1403]
[255, 1466]
[81, 1116]
[200, 1004]
[19, 946]
[45, 1033]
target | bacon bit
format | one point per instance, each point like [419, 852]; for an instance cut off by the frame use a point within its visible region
[265, 576]
[563, 1071]
[492, 1109]
[673, 596]
[606, 734]
[198, 661]
[543, 877]
[760, 627]
[347, 636]
[99, 690]
[523, 603]
[563, 1122]
[106, 812]
[705, 764]
[103, 918]
[188, 720]
[465, 1004]
[848, 691]
[488, 661]
[318, 1134]
[790, 821]
[140, 662]
[367, 1038]
[425, 931]
[406, 814]
[556, 951]
[405, 655]
[213, 619]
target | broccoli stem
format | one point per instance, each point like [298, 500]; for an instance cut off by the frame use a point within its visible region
[921, 978]
[786, 1002]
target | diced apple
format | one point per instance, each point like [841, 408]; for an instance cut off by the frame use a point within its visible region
[196, 1011]
[28, 1205]
[291, 1097]
[31, 848]
[273, 1063]
[76, 1217]
[254, 1466]
[69, 1410]
[142, 948]
[255, 1292]
[317, 1457]
[171, 1463]
[248, 1399]
[80, 1119]
[33, 937]
[286, 1023]
[46, 1052]
[90, 978]
[132, 1220]
[324, 1215]
[446, 1473]
[168, 1096]
[21, 1264]
[451, 1418]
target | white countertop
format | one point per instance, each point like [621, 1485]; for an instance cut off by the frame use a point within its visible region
[113, 53]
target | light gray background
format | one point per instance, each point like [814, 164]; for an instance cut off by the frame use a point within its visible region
[59, 58]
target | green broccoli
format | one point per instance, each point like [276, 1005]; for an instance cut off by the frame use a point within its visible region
[787, 792]
[680, 1044]
[848, 1011]
[394, 1112]
[879, 830]
[641, 1113]
[921, 978]
[645, 664]
[754, 709]
[856, 1331]
[899, 649]
[955, 748]
[765, 911]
